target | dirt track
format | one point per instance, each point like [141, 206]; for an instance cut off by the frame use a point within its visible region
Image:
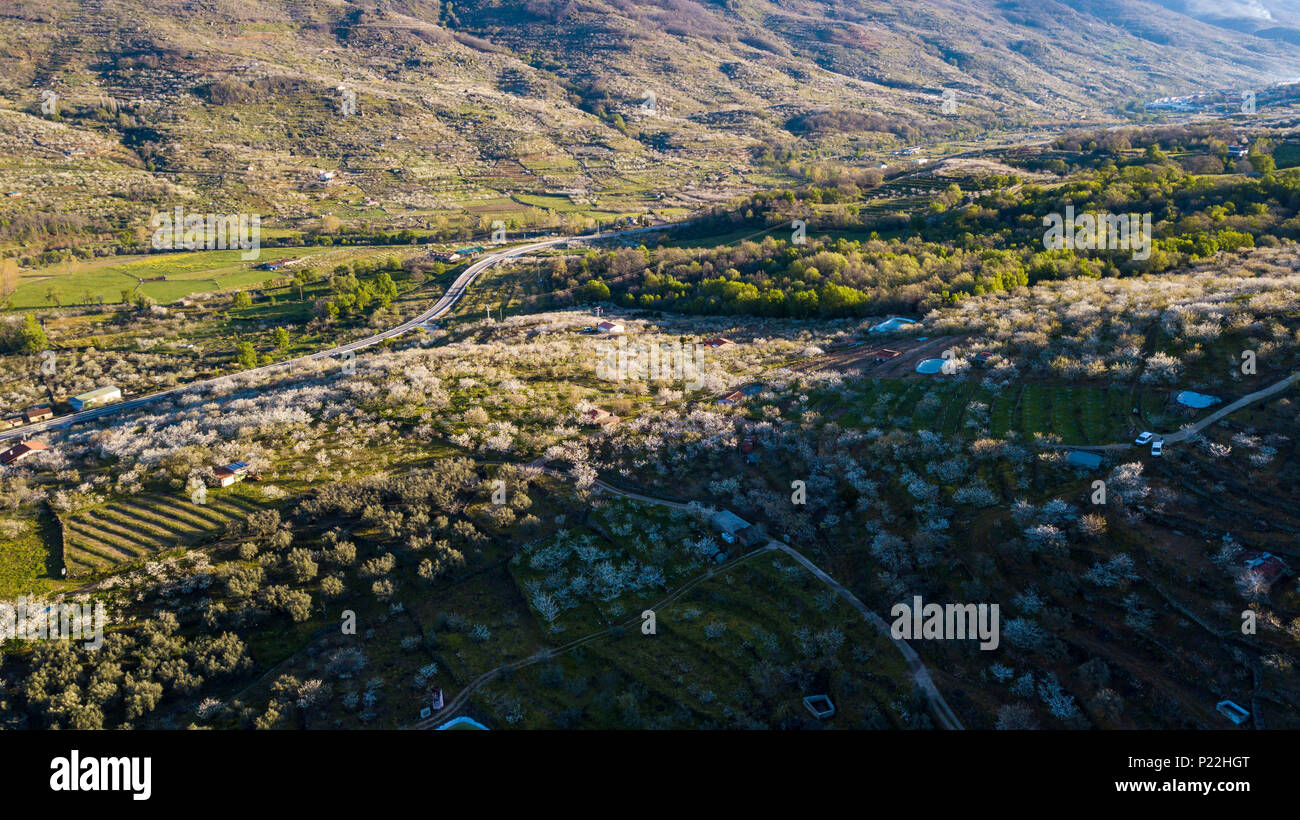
[863, 356]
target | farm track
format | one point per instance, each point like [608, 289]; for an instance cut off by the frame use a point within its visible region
[863, 356]
[920, 674]
[1192, 429]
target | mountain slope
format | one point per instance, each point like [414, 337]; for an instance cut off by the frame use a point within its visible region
[621, 104]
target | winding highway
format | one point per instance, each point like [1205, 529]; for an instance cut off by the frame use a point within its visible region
[440, 308]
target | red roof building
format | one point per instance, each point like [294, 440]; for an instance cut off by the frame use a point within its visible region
[21, 451]
[1262, 572]
[230, 473]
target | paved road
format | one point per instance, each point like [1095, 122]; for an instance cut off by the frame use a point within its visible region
[441, 307]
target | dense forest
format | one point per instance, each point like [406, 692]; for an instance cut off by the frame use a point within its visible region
[864, 262]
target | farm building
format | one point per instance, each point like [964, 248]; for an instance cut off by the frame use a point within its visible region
[444, 256]
[752, 535]
[1262, 572]
[610, 327]
[230, 473]
[718, 341]
[19, 452]
[599, 418]
[95, 398]
[727, 521]
[40, 412]
[736, 397]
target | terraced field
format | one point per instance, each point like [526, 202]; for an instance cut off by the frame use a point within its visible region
[128, 529]
[905, 194]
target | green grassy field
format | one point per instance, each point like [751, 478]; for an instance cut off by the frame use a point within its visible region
[186, 273]
[26, 565]
[1078, 414]
[561, 204]
[501, 288]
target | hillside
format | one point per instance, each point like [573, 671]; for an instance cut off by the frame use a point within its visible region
[621, 365]
[437, 111]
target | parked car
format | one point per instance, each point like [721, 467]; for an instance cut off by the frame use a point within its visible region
[1144, 438]
[1158, 447]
